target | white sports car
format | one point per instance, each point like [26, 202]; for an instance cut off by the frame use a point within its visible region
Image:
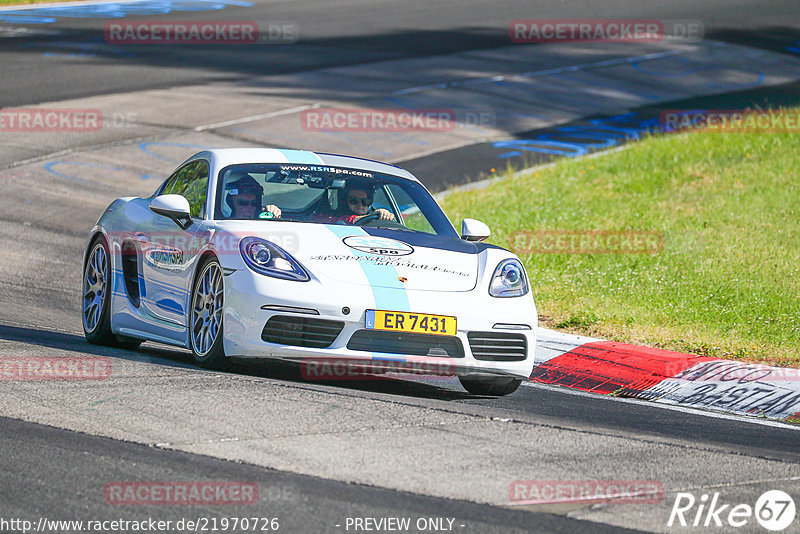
[268, 253]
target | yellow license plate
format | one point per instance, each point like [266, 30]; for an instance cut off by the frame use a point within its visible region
[418, 323]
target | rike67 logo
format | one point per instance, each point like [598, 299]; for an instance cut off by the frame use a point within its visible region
[774, 510]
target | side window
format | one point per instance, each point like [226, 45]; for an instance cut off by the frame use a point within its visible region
[191, 182]
[409, 212]
[380, 201]
[179, 179]
[196, 190]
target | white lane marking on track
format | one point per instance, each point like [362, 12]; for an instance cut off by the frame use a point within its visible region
[545, 72]
[252, 118]
[201, 128]
[443, 85]
[684, 409]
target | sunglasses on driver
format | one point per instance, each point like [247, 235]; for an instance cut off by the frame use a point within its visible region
[353, 201]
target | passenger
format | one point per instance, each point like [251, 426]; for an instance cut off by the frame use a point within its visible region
[244, 199]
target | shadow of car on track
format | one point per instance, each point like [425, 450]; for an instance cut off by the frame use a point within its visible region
[164, 355]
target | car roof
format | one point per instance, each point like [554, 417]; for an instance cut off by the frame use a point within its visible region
[222, 157]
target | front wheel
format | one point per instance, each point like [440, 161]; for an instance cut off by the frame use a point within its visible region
[495, 386]
[206, 318]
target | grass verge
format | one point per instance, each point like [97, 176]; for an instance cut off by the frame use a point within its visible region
[725, 284]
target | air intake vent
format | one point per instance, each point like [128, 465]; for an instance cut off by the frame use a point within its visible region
[406, 343]
[130, 271]
[498, 346]
[301, 331]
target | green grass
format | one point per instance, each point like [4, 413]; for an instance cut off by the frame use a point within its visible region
[727, 282]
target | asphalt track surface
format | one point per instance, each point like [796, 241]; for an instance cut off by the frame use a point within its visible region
[301, 503]
[74, 61]
[334, 450]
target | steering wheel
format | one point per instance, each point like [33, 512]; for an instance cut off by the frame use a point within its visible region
[374, 216]
[376, 222]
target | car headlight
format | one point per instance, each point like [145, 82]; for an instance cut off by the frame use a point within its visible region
[508, 280]
[269, 259]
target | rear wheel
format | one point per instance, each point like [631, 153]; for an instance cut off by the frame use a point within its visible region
[96, 305]
[206, 317]
[495, 386]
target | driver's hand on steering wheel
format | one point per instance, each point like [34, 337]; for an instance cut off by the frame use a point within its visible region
[384, 214]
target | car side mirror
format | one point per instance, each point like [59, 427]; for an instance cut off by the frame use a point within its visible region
[176, 207]
[474, 230]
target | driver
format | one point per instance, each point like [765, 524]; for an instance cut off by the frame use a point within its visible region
[358, 200]
[244, 199]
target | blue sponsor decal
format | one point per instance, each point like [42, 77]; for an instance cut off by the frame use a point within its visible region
[381, 246]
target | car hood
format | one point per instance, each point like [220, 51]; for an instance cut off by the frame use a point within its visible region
[373, 256]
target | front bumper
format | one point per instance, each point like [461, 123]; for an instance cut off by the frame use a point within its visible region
[476, 311]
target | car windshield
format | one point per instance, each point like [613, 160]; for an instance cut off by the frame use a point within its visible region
[327, 195]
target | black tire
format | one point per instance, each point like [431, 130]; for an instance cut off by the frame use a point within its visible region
[494, 386]
[213, 358]
[100, 333]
